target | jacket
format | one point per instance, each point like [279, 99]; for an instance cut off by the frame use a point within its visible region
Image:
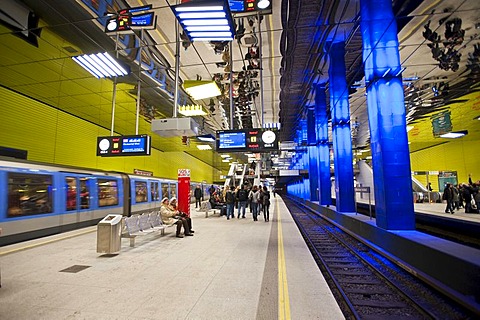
[168, 215]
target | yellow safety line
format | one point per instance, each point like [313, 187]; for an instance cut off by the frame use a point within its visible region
[283, 298]
[45, 242]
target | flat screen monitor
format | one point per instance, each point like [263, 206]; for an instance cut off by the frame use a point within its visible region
[112, 146]
[231, 140]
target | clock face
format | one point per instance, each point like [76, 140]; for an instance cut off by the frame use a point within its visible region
[104, 144]
[268, 136]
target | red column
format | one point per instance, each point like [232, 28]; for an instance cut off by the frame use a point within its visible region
[184, 191]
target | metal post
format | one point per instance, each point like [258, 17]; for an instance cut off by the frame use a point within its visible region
[114, 95]
[230, 93]
[261, 67]
[429, 192]
[369, 204]
[139, 80]
[177, 68]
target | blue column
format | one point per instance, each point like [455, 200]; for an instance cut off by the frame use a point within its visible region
[386, 117]
[312, 155]
[342, 140]
[321, 119]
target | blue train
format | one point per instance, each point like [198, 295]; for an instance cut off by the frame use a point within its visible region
[42, 199]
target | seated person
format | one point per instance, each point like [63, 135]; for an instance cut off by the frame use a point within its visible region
[169, 216]
[182, 216]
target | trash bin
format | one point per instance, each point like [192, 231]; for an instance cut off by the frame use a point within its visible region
[109, 231]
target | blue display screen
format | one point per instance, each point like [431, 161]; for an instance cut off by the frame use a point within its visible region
[133, 145]
[230, 140]
[236, 5]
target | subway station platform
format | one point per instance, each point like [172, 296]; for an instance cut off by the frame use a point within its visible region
[230, 269]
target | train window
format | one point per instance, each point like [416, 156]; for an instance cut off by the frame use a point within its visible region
[107, 193]
[141, 194]
[29, 194]
[173, 190]
[84, 194]
[71, 193]
[165, 190]
[154, 191]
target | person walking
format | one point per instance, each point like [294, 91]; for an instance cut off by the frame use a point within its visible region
[266, 204]
[448, 196]
[198, 194]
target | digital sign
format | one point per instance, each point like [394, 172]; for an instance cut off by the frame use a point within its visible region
[250, 6]
[232, 140]
[247, 140]
[113, 146]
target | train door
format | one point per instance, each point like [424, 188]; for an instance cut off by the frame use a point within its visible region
[127, 198]
[77, 200]
[155, 194]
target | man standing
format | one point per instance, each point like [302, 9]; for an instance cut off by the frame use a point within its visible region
[230, 201]
[198, 196]
[242, 197]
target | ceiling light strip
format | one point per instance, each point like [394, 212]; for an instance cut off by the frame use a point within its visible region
[100, 65]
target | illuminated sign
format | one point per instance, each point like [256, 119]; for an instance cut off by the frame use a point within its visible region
[247, 140]
[250, 6]
[123, 146]
[125, 20]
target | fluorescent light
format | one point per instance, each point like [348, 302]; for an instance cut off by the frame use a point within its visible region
[198, 89]
[208, 28]
[209, 14]
[211, 34]
[198, 15]
[206, 138]
[204, 147]
[206, 22]
[199, 8]
[225, 160]
[225, 155]
[213, 39]
[101, 65]
[409, 128]
[192, 110]
[454, 135]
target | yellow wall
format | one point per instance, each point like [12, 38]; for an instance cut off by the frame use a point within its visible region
[458, 155]
[53, 136]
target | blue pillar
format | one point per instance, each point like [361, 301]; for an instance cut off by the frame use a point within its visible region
[342, 140]
[323, 151]
[312, 155]
[386, 117]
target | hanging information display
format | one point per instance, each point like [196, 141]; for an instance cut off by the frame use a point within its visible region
[113, 146]
[247, 140]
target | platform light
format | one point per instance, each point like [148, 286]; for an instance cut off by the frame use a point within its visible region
[199, 89]
[101, 65]
[225, 155]
[204, 147]
[409, 128]
[192, 110]
[206, 13]
[454, 134]
[206, 138]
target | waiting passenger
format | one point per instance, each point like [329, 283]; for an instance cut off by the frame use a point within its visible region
[169, 217]
[182, 216]
[266, 204]
[448, 196]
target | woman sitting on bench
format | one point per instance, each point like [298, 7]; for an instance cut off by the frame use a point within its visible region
[170, 216]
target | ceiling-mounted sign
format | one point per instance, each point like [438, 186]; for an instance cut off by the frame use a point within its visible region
[441, 123]
[241, 7]
[247, 140]
[113, 146]
[125, 20]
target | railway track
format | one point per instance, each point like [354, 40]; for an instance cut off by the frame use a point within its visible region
[366, 284]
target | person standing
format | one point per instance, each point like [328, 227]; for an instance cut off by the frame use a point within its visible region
[242, 197]
[198, 194]
[254, 195]
[230, 201]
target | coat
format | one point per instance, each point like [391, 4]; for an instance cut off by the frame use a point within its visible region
[168, 215]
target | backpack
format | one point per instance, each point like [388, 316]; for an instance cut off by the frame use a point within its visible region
[242, 195]
[229, 197]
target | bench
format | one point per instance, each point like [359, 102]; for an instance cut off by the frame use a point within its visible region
[146, 223]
